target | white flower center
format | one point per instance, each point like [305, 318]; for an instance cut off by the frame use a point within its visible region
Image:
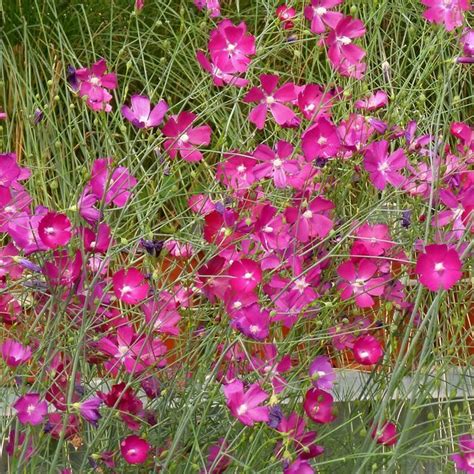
[30, 409]
[267, 229]
[242, 409]
[231, 47]
[277, 163]
[241, 169]
[301, 284]
[319, 11]
[309, 107]
[125, 289]
[94, 80]
[237, 305]
[49, 230]
[184, 138]
[322, 140]
[270, 99]
[307, 214]
[439, 267]
[254, 329]
[123, 350]
[359, 282]
[248, 276]
[344, 40]
[384, 166]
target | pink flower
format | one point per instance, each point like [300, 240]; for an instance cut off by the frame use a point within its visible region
[8, 262]
[139, 113]
[375, 101]
[271, 99]
[311, 221]
[245, 275]
[253, 322]
[211, 5]
[340, 42]
[237, 171]
[14, 353]
[285, 14]
[320, 15]
[111, 185]
[55, 230]
[313, 101]
[318, 405]
[139, 4]
[322, 373]
[134, 449]
[23, 229]
[373, 240]
[130, 286]
[276, 164]
[218, 460]
[184, 138]
[63, 270]
[299, 466]
[467, 43]
[465, 459]
[230, 47]
[386, 435]
[367, 350]
[219, 78]
[179, 249]
[244, 405]
[89, 409]
[94, 82]
[97, 242]
[321, 140]
[10, 171]
[162, 314]
[447, 12]
[439, 267]
[31, 410]
[360, 282]
[86, 204]
[382, 167]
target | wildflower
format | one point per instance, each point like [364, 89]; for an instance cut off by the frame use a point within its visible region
[86, 204]
[89, 409]
[111, 185]
[465, 458]
[253, 322]
[130, 286]
[359, 281]
[10, 171]
[30, 409]
[314, 102]
[14, 353]
[439, 267]
[217, 460]
[134, 449]
[211, 5]
[162, 314]
[153, 247]
[447, 12]
[321, 140]
[245, 405]
[63, 270]
[367, 350]
[231, 46]
[54, 230]
[245, 275]
[140, 113]
[183, 138]
[286, 14]
[372, 240]
[467, 43]
[318, 405]
[340, 42]
[94, 84]
[97, 242]
[375, 101]
[11, 263]
[271, 99]
[322, 373]
[386, 435]
[382, 167]
[15, 445]
[219, 78]
[320, 15]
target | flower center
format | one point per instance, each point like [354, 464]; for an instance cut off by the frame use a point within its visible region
[267, 229]
[344, 40]
[307, 214]
[254, 329]
[248, 276]
[277, 163]
[319, 11]
[125, 289]
[241, 169]
[322, 140]
[122, 350]
[30, 409]
[301, 284]
[439, 267]
[94, 80]
[184, 138]
[310, 107]
[359, 282]
[242, 409]
[231, 47]
[49, 230]
[383, 166]
[270, 100]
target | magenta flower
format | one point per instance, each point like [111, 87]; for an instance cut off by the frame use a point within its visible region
[162, 314]
[245, 275]
[140, 113]
[54, 230]
[286, 14]
[86, 206]
[367, 350]
[111, 185]
[321, 140]
[183, 138]
[9, 260]
[63, 270]
[311, 221]
[271, 99]
[212, 6]
[313, 101]
[340, 42]
[230, 47]
[94, 83]
[30, 410]
[134, 449]
[10, 171]
[14, 353]
[373, 240]
[299, 466]
[465, 458]
[318, 405]
[320, 15]
[375, 101]
[97, 242]
[276, 164]
[386, 435]
[89, 409]
[382, 167]
[217, 460]
[439, 267]
[237, 171]
[130, 286]
[253, 322]
[447, 12]
[359, 282]
[23, 229]
[219, 78]
[467, 43]
[245, 405]
[322, 373]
